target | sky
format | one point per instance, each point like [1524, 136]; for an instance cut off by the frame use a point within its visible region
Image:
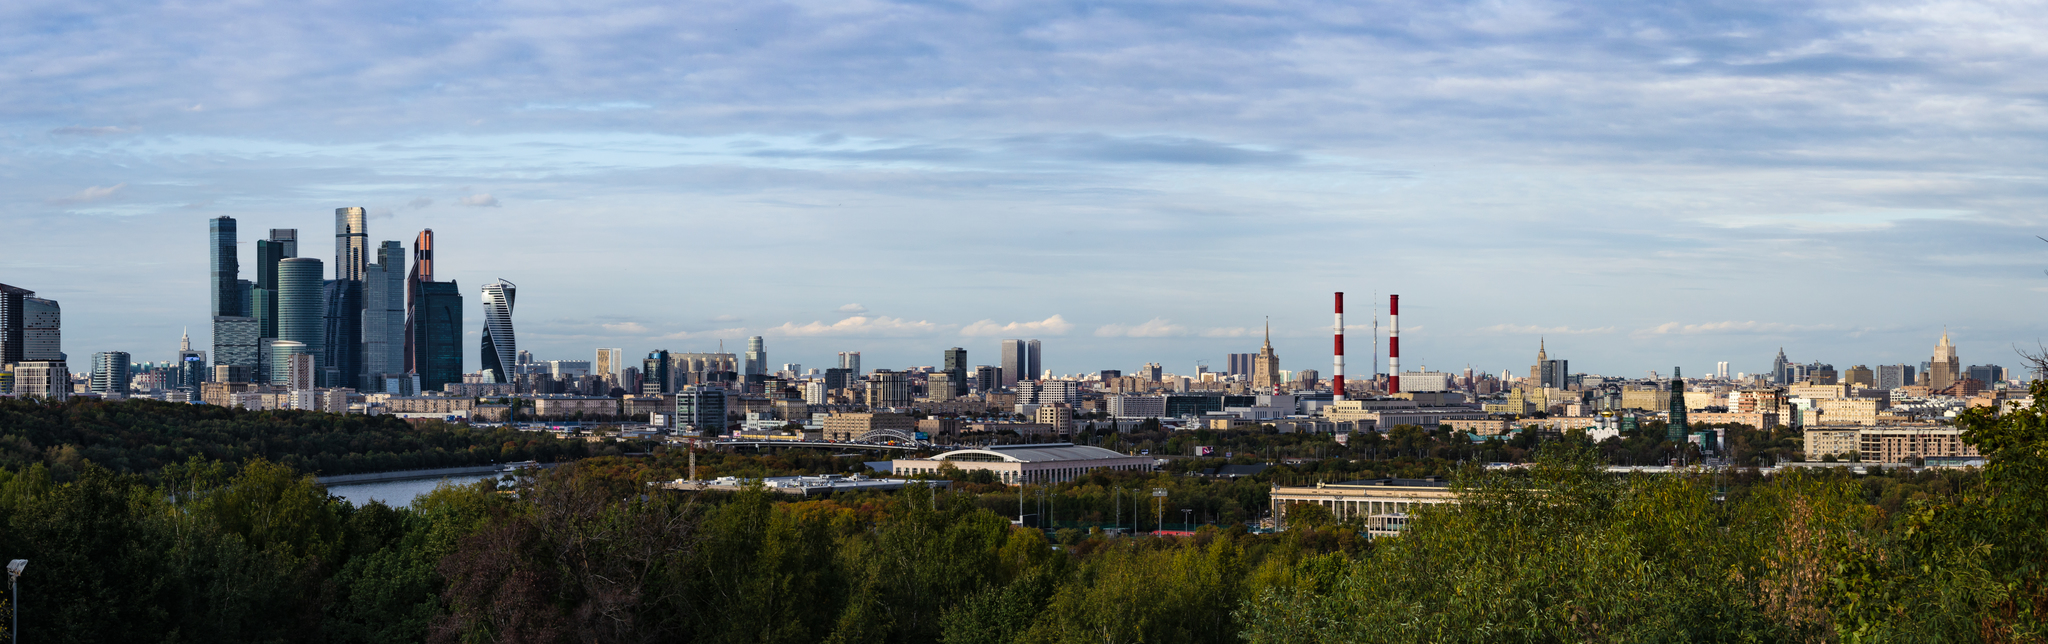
[1639, 185]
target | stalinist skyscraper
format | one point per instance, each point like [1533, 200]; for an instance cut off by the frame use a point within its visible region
[1266, 366]
[1943, 371]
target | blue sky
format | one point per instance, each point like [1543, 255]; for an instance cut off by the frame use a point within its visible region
[1646, 184]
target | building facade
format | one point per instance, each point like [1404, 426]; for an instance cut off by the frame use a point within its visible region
[500, 349]
[1026, 464]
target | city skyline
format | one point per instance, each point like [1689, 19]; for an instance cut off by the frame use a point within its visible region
[1704, 188]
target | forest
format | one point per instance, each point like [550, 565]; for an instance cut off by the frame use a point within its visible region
[213, 549]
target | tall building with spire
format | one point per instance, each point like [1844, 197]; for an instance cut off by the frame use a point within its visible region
[1781, 369]
[1944, 369]
[500, 348]
[191, 368]
[1548, 373]
[1675, 430]
[1266, 366]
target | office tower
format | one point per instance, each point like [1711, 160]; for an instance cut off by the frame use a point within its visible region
[1014, 362]
[13, 323]
[301, 309]
[1986, 374]
[850, 361]
[701, 409]
[611, 364]
[42, 329]
[1945, 368]
[288, 239]
[1677, 427]
[225, 267]
[109, 373]
[1036, 369]
[1721, 370]
[191, 367]
[1266, 367]
[988, 378]
[342, 351]
[955, 366]
[1152, 372]
[351, 244]
[888, 389]
[298, 367]
[938, 387]
[654, 374]
[756, 358]
[1858, 375]
[47, 379]
[383, 324]
[1238, 364]
[1548, 373]
[434, 334]
[1893, 376]
[1781, 369]
[500, 349]
[837, 378]
[235, 340]
[699, 368]
[264, 295]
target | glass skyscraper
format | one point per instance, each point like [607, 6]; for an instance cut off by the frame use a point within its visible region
[351, 244]
[301, 311]
[499, 347]
[383, 322]
[225, 268]
[342, 352]
[435, 336]
[110, 372]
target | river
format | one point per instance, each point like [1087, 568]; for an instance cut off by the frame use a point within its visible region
[397, 493]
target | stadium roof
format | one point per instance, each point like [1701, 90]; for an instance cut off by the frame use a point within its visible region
[1041, 453]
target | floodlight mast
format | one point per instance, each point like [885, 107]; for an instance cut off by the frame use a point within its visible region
[14, 569]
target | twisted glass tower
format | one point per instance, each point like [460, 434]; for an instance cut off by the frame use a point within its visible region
[499, 350]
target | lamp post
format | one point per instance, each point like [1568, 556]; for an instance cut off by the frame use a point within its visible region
[1184, 518]
[14, 569]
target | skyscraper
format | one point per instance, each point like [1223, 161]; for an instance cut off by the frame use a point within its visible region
[1014, 361]
[850, 361]
[191, 368]
[341, 357]
[384, 316]
[301, 311]
[1945, 368]
[654, 373]
[1238, 364]
[351, 244]
[235, 342]
[434, 334]
[225, 267]
[1781, 369]
[1554, 374]
[611, 364]
[264, 307]
[499, 347]
[955, 363]
[288, 238]
[756, 357]
[13, 323]
[1677, 428]
[109, 373]
[1035, 370]
[1266, 367]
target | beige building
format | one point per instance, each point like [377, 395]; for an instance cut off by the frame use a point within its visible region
[1480, 426]
[1057, 415]
[1266, 366]
[570, 406]
[1022, 464]
[1757, 420]
[1946, 368]
[1903, 444]
[1850, 411]
[1383, 504]
[1824, 441]
[851, 426]
[424, 404]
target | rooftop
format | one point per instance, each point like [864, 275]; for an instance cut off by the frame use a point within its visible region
[1036, 453]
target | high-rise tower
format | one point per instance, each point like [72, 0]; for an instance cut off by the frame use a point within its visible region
[384, 317]
[1266, 366]
[1677, 428]
[1014, 362]
[351, 243]
[955, 365]
[499, 347]
[13, 302]
[1945, 368]
[224, 267]
[301, 313]
[756, 358]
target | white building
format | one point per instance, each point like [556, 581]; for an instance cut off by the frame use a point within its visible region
[1137, 406]
[1015, 464]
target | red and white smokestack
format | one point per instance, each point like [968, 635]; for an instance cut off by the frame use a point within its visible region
[1394, 344]
[1338, 384]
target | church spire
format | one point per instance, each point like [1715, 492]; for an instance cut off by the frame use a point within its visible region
[185, 341]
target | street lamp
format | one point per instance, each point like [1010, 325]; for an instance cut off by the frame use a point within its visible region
[14, 569]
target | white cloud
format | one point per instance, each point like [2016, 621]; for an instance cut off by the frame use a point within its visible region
[735, 332]
[1227, 332]
[859, 326]
[1524, 329]
[481, 200]
[1156, 328]
[1054, 325]
[88, 195]
[854, 309]
[1732, 327]
[627, 327]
